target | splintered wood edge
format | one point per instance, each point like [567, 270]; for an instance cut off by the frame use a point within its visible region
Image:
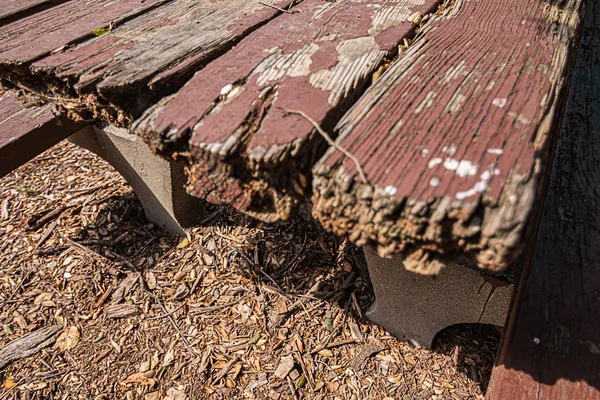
[431, 234]
[268, 182]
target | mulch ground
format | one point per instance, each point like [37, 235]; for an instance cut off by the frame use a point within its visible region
[237, 309]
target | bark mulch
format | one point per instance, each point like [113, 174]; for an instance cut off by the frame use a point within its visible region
[237, 309]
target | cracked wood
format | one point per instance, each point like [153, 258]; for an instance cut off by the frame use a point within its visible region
[455, 137]
[116, 76]
[231, 119]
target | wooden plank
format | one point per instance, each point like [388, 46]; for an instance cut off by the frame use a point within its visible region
[11, 10]
[118, 75]
[35, 36]
[455, 136]
[551, 347]
[27, 132]
[231, 119]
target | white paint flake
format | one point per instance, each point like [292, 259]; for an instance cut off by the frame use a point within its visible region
[500, 102]
[480, 186]
[433, 162]
[435, 182]
[463, 168]
[391, 190]
[495, 151]
[226, 90]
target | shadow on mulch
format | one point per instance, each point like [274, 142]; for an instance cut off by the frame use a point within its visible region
[296, 257]
[473, 348]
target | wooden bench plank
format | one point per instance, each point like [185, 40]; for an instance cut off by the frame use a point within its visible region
[115, 77]
[27, 132]
[231, 118]
[14, 9]
[551, 347]
[36, 36]
[455, 136]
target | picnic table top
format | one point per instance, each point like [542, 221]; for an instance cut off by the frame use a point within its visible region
[423, 127]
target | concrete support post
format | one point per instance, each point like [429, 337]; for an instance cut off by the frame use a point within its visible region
[415, 307]
[158, 183]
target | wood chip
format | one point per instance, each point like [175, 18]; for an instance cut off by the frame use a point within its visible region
[286, 364]
[28, 345]
[121, 311]
[366, 351]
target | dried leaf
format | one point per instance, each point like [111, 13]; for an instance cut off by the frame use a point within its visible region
[143, 379]
[286, 364]
[169, 357]
[326, 353]
[68, 339]
[9, 383]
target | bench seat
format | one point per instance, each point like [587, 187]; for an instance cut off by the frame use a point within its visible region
[551, 348]
[27, 132]
[456, 138]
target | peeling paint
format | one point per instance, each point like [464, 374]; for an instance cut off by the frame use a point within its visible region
[277, 66]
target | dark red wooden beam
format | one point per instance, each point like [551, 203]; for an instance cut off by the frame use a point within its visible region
[27, 132]
[551, 348]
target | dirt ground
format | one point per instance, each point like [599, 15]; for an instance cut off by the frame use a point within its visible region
[238, 309]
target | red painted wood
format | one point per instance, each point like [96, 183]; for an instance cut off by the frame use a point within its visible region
[39, 34]
[551, 348]
[316, 60]
[115, 77]
[14, 9]
[27, 132]
[455, 135]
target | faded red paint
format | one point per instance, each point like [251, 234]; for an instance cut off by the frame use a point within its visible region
[46, 31]
[27, 132]
[339, 22]
[502, 119]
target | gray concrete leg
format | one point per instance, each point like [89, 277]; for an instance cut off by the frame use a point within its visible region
[415, 308]
[158, 183]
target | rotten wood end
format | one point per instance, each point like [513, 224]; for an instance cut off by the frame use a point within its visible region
[455, 137]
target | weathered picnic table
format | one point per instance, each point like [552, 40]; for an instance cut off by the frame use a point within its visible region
[423, 129]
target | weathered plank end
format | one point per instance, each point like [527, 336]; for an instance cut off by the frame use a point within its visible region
[455, 137]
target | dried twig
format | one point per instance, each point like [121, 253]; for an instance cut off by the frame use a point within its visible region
[332, 143]
[203, 310]
[168, 315]
[283, 10]
[332, 345]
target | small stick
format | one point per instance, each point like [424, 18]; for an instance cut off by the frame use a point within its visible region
[331, 345]
[292, 388]
[258, 268]
[203, 310]
[277, 8]
[155, 297]
[225, 369]
[329, 140]
[167, 314]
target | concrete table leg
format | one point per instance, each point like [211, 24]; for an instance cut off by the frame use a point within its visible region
[158, 183]
[415, 308]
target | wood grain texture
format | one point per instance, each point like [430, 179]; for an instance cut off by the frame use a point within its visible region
[116, 76]
[231, 118]
[27, 132]
[35, 36]
[551, 348]
[28, 345]
[11, 10]
[455, 136]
